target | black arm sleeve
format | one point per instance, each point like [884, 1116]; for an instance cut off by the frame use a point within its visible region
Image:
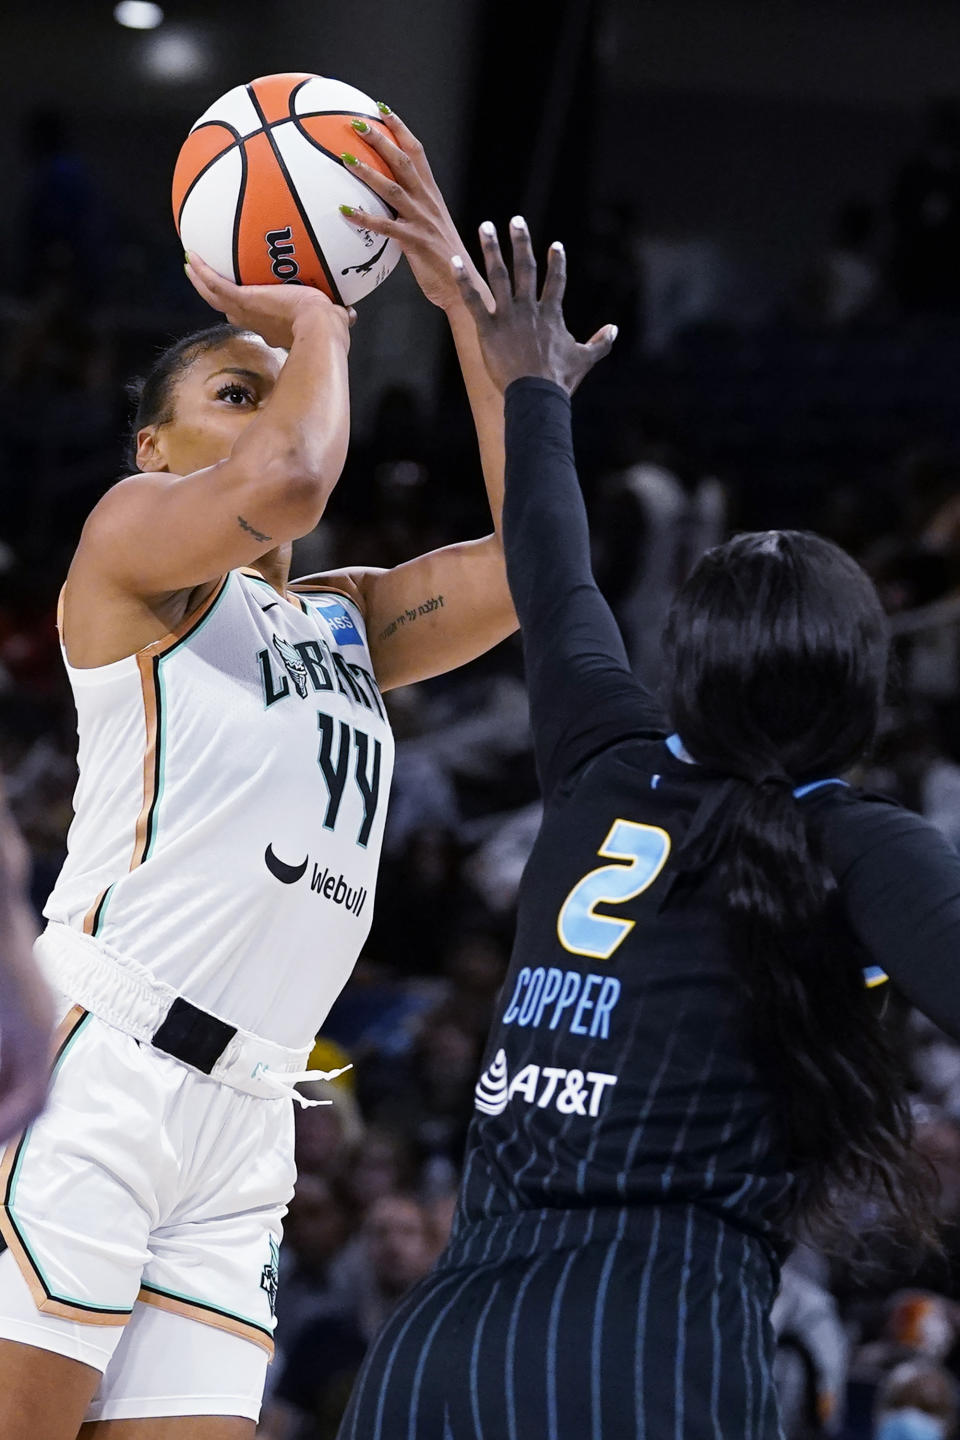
[900, 884]
[583, 695]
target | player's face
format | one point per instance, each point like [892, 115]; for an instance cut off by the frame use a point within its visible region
[213, 400]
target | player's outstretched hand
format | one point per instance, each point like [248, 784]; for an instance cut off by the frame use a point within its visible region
[423, 226]
[270, 310]
[525, 335]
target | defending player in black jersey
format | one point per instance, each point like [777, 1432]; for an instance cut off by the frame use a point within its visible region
[685, 1052]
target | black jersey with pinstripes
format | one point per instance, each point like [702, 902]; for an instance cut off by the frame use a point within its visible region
[654, 1329]
[612, 1265]
[623, 1079]
[619, 1069]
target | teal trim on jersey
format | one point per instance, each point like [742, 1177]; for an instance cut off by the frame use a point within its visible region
[185, 639]
[161, 761]
[206, 1305]
[162, 722]
[102, 909]
[21, 1149]
[11, 1196]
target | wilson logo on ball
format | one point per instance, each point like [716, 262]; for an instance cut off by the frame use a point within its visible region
[281, 250]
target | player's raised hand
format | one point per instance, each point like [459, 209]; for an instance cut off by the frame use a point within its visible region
[527, 335]
[422, 226]
[271, 310]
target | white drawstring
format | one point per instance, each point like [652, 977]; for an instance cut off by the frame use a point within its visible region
[281, 1086]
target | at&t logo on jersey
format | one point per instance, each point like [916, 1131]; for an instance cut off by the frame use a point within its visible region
[571, 1092]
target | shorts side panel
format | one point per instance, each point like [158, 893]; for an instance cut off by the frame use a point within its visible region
[75, 1207]
[214, 1258]
[189, 1309]
[22, 1322]
[9, 1166]
[164, 1365]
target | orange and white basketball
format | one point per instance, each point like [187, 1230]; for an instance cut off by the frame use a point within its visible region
[259, 181]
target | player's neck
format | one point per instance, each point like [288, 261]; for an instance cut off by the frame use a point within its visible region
[275, 567]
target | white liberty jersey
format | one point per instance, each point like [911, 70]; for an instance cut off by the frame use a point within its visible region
[230, 808]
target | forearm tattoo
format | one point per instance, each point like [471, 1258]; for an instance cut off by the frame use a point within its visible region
[257, 534]
[407, 617]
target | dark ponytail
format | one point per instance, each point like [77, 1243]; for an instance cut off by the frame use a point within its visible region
[776, 655]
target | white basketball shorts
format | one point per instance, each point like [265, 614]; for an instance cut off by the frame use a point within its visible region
[142, 1218]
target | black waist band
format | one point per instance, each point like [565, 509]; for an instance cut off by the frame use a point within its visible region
[193, 1036]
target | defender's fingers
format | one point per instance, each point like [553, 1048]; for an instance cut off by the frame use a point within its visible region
[406, 140]
[497, 275]
[604, 337]
[555, 282]
[379, 224]
[600, 344]
[469, 293]
[524, 261]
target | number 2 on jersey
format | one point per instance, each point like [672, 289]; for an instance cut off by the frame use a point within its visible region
[581, 930]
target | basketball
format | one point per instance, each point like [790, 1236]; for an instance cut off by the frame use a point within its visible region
[259, 180]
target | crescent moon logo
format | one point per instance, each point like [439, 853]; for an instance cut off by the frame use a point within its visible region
[288, 874]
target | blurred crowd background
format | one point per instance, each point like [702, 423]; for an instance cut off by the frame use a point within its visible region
[767, 201]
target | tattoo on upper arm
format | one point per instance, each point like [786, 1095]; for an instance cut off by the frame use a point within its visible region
[257, 534]
[408, 616]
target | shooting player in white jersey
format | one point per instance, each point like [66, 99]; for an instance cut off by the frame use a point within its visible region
[235, 761]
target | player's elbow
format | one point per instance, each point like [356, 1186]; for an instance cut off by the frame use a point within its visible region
[294, 492]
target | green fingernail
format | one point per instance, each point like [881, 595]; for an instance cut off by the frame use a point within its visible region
[384, 109]
[349, 159]
[361, 127]
[346, 209]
